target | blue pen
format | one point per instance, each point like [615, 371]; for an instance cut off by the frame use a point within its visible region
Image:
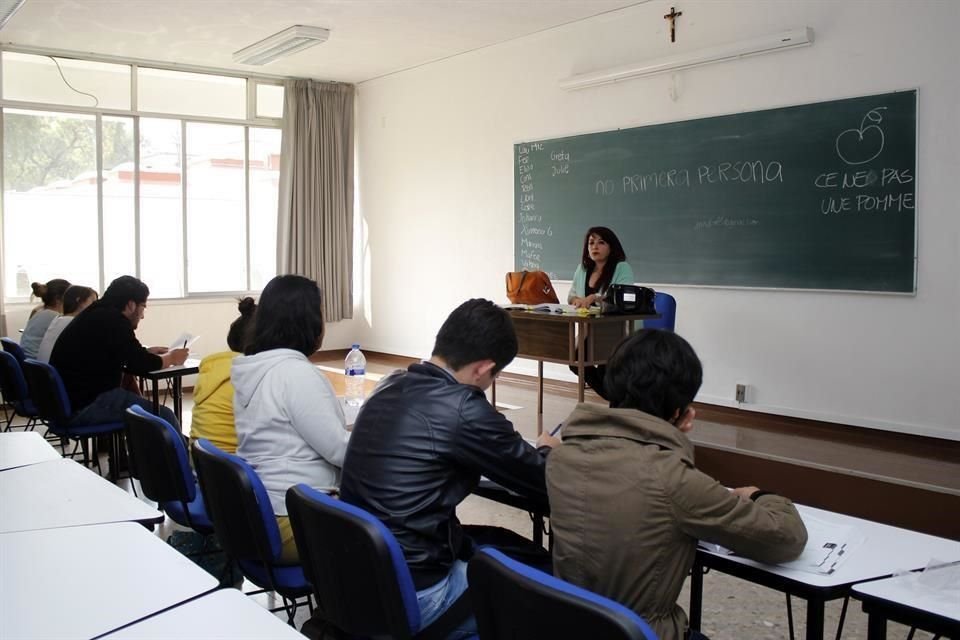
[556, 429]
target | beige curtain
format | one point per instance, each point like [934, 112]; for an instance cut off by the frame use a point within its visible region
[315, 216]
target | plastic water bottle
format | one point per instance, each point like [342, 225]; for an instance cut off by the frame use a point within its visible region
[355, 368]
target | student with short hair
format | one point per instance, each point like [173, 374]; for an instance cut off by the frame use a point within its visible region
[99, 345]
[75, 299]
[627, 504]
[290, 425]
[51, 294]
[421, 443]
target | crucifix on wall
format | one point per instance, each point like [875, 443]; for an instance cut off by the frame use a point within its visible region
[672, 17]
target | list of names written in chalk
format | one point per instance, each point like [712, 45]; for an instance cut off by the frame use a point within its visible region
[817, 196]
[533, 230]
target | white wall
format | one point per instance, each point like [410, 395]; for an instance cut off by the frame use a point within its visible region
[436, 194]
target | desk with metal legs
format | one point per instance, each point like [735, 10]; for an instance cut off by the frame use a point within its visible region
[886, 550]
[908, 600]
[571, 339]
[175, 375]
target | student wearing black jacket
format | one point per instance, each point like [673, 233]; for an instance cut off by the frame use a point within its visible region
[96, 348]
[421, 443]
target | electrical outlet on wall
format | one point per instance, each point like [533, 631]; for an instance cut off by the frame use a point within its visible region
[741, 392]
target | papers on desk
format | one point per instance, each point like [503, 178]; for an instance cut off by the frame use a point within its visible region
[549, 307]
[184, 341]
[828, 546]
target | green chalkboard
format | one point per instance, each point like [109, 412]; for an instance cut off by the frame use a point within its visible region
[816, 196]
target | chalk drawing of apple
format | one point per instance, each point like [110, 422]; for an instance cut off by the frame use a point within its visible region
[859, 146]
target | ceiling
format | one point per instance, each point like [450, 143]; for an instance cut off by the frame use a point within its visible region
[368, 38]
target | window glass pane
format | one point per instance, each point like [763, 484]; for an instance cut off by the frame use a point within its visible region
[36, 79]
[50, 200]
[161, 208]
[269, 101]
[264, 180]
[119, 232]
[195, 94]
[216, 209]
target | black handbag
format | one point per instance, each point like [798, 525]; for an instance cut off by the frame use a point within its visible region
[628, 298]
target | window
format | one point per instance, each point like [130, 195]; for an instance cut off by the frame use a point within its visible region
[216, 220]
[65, 81]
[50, 200]
[269, 101]
[180, 191]
[195, 94]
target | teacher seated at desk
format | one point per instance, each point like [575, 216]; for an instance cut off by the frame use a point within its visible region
[602, 263]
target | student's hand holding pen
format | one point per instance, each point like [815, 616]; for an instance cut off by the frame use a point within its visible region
[174, 357]
[550, 439]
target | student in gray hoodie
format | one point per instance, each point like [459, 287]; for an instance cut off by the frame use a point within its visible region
[290, 426]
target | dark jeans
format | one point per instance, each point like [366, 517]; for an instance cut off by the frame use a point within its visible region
[110, 406]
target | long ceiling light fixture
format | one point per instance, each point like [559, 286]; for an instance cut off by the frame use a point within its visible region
[7, 9]
[285, 43]
[720, 53]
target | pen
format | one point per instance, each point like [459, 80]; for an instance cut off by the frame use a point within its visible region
[556, 429]
[184, 344]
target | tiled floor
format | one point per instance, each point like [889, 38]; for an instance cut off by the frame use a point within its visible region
[732, 609]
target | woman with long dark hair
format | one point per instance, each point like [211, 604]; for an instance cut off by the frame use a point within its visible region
[602, 263]
[290, 426]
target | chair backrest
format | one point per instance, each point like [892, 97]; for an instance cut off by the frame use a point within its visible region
[359, 575]
[512, 600]
[11, 347]
[13, 385]
[666, 306]
[47, 393]
[238, 505]
[158, 457]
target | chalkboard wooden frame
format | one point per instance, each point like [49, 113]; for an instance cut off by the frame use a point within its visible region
[818, 196]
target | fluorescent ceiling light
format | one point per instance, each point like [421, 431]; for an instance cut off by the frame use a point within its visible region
[7, 9]
[287, 42]
[720, 53]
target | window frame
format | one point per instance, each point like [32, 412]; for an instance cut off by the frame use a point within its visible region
[250, 121]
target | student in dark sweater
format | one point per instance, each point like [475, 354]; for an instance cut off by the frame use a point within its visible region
[95, 349]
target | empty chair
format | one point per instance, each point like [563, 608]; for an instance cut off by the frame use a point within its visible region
[158, 459]
[53, 407]
[245, 525]
[359, 575]
[10, 346]
[512, 600]
[666, 306]
[13, 385]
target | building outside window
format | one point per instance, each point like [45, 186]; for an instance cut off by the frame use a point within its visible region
[98, 184]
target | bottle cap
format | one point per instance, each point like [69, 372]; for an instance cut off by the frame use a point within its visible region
[356, 345]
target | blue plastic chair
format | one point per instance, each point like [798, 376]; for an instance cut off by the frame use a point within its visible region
[666, 306]
[512, 600]
[15, 392]
[360, 578]
[12, 347]
[245, 524]
[158, 459]
[53, 407]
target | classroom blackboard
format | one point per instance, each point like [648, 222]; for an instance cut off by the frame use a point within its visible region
[815, 196]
